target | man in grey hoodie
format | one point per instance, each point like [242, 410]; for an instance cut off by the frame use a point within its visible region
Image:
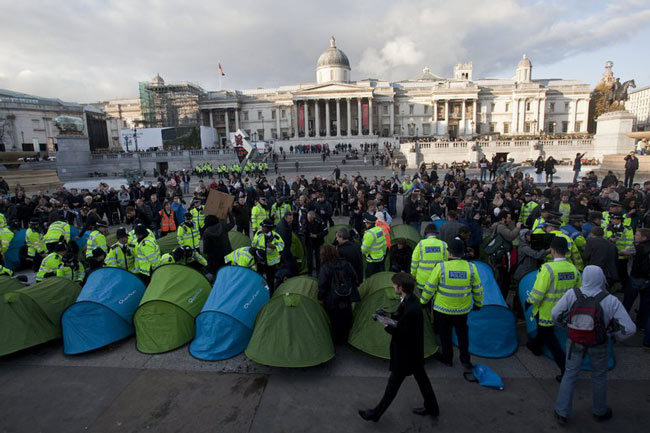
[619, 326]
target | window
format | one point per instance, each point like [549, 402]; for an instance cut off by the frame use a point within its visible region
[566, 107]
[260, 134]
[551, 127]
[578, 126]
[221, 117]
[426, 129]
[273, 114]
[506, 127]
[551, 107]
[259, 115]
[492, 107]
[245, 115]
[527, 106]
[426, 109]
[507, 107]
[565, 127]
[283, 114]
[493, 127]
[411, 108]
[36, 124]
[527, 127]
[385, 109]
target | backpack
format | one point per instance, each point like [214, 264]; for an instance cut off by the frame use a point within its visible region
[586, 320]
[341, 291]
[497, 248]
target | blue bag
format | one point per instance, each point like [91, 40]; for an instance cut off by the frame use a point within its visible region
[484, 376]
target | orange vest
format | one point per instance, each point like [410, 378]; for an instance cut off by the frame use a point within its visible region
[386, 229]
[167, 222]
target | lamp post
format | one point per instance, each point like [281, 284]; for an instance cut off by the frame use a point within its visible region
[263, 130]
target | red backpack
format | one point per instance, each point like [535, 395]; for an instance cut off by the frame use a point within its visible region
[586, 320]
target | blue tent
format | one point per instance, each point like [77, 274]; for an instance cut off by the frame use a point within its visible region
[525, 286]
[12, 257]
[493, 329]
[439, 223]
[103, 312]
[74, 237]
[225, 325]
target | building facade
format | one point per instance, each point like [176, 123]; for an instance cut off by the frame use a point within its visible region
[335, 108]
[638, 103]
[127, 111]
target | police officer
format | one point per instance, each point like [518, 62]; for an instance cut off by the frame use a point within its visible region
[455, 287]
[197, 214]
[71, 268]
[176, 256]
[34, 247]
[280, 208]
[614, 208]
[552, 226]
[58, 231]
[574, 231]
[270, 244]
[246, 257]
[373, 246]
[97, 238]
[120, 254]
[51, 262]
[258, 214]
[527, 207]
[7, 234]
[426, 255]
[147, 253]
[623, 236]
[188, 236]
[553, 280]
[544, 210]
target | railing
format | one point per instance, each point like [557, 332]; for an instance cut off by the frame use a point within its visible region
[164, 154]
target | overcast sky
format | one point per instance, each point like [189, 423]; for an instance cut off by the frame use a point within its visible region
[86, 51]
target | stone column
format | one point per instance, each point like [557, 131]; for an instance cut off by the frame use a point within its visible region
[294, 120]
[463, 120]
[327, 118]
[435, 117]
[515, 109]
[575, 116]
[474, 116]
[360, 132]
[391, 129]
[446, 116]
[370, 130]
[227, 127]
[317, 118]
[349, 117]
[338, 117]
[306, 118]
[277, 123]
[236, 118]
[542, 115]
[211, 120]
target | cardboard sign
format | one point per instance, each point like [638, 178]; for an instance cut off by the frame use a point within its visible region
[218, 204]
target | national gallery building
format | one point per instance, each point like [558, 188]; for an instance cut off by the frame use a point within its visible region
[337, 109]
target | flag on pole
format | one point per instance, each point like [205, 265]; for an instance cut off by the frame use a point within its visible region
[223, 74]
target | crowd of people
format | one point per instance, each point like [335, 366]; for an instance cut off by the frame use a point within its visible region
[597, 230]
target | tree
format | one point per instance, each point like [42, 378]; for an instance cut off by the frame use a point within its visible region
[598, 105]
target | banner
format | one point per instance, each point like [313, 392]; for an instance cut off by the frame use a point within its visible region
[301, 117]
[364, 115]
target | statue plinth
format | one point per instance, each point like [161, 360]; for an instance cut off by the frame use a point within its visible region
[73, 157]
[611, 133]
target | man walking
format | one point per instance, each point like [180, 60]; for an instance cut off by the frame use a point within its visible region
[406, 351]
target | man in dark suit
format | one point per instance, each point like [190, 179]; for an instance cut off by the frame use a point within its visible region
[603, 253]
[406, 351]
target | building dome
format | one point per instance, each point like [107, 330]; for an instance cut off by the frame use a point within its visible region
[524, 62]
[333, 57]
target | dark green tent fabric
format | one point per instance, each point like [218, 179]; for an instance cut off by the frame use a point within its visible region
[164, 320]
[31, 315]
[331, 232]
[238, 239]
[8, 284]
[405, 231]
[298, 253]
[368, 335]
[292, 329]
[168, 243]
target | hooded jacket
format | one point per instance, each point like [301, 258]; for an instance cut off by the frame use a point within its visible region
[216, 244]
[527, 257]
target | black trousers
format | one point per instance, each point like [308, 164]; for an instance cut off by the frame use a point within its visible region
[374, 267]
[629, 178]
[268, 272]
[546, 337]
[395, 381]
[444, 325]
[313, 257]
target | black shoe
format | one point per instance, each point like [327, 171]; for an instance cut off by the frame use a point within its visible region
[558, 378]
[604, 417]
[468, 366]
[423, 411]
[561, 420]
[368, 415]
[536, 350]
[438, 357]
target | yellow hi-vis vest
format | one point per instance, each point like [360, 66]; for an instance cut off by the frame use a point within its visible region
[553, 280]
[95, 240]
[258, 215]
[6, 236]
[526, 210]
[454, 285]
[34, 242]
[120, 258]
[188, 236]
[147, 256]
[49, 265]
[426, 255]
[55, 231]
[373, 246]
[241, 257]
[272, 254]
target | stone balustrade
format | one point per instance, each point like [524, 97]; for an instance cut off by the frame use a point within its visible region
[180, 154]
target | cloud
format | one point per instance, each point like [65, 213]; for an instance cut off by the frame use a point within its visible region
[87, 51]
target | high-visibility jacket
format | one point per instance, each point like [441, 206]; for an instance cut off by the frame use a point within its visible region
[120, 257]
[406, 186]
[49, 266]
[426, 255]
[133, 239]
[188, 236]
[565, 210]
[3, 220]
[57, 231]
[96, 239]
[166, 259]
[624, 238]
[272, 254]
[147, 256]
[6, 235]
[77, 275]
[6, 271]
[278, 211]
[198, 217]
[258, 215]
[241, 257]
[373, 246]
[34, 242]
[573, 255]
[577, 236]
[385, 227]
[526, 210]
[167, 221]
[604, 223]
[539, 221]
[454, 285]
[553, 280]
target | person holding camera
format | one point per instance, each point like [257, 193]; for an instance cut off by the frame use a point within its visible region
[406, 327]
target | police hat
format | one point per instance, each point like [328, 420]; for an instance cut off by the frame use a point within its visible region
[553, 214]
[121, 233]
[552, 222]
[545, 207]
[613, 204]
[430, 228]
[456, 247]
[576, 218]
[60, 246]
[617, 215]
[188, 215]
[369, 218]
[268, 222]
[140, 230]
[101, 224]
[527, 194]
[34, 221]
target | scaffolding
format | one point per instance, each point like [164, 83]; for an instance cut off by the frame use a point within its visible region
[169, 105]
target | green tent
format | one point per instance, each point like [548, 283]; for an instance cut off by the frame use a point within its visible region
[164, 320]
[331, 232]
[405, 231]
[31, 315]
[368, 335]
[298, 253]
[168, 243]
[8, 284]
[292, 329]
[238, 239]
